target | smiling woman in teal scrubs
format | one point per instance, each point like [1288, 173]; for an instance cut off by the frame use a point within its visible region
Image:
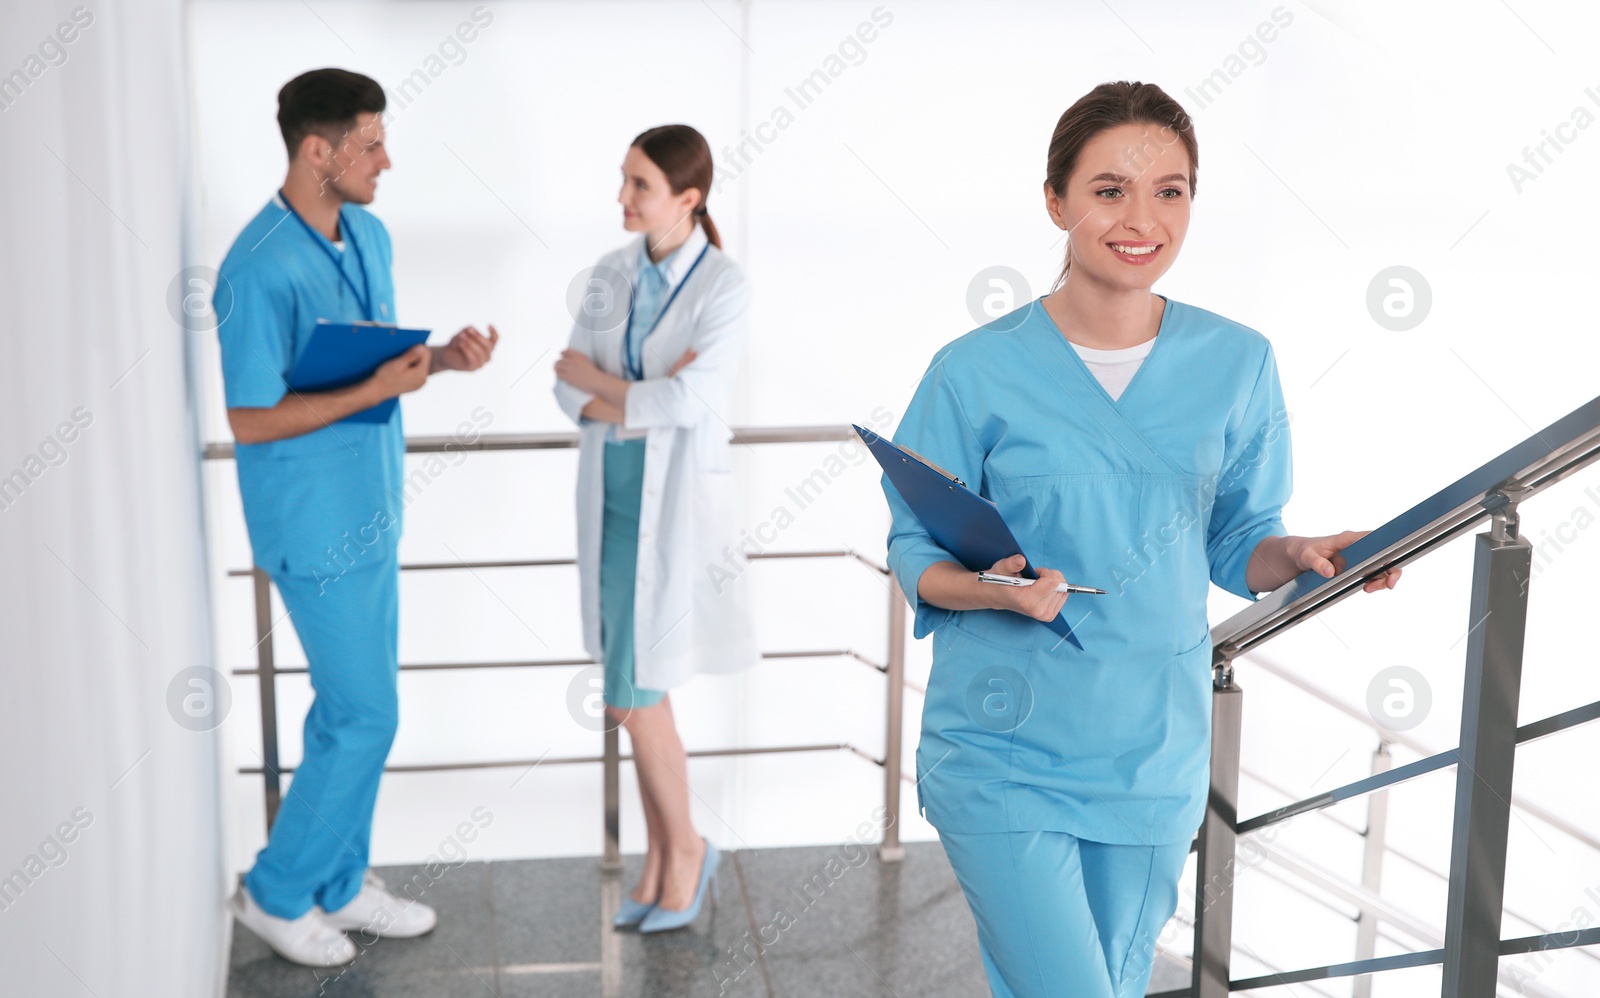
[1133, 443]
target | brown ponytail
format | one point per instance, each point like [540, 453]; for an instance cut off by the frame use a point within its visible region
[1107, 106]
[684, 156]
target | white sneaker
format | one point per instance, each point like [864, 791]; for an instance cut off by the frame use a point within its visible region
[308, 940]
[377, 912]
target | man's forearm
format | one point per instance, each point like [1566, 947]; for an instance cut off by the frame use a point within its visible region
[299, 413]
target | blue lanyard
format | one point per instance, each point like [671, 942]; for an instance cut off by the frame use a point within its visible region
[637, 373]
[364, 300]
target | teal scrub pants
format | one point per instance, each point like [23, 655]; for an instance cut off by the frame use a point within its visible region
[619, 559]
[1063, 917]
[349, 626]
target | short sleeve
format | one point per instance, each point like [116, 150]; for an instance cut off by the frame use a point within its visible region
[1253, 485]
[936, 427]
[257, 337]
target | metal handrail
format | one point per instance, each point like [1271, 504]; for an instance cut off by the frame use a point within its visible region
[1485, 756]
[218, 450]
[1558, 451]
[611, 757]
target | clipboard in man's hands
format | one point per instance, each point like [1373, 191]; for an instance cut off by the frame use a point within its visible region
[341, 354]
[959, 520]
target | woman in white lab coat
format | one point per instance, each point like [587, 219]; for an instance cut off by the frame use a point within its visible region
[648, 376]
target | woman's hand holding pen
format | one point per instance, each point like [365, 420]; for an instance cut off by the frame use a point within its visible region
[950, 585]
[1040, 600]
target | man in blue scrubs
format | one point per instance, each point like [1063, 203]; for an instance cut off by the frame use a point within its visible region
[322, 500]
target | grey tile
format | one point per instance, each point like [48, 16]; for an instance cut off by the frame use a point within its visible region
[440, 982]
[844, 923]
[788, 924]
[255, 971]
[564, 984]
[548, 910]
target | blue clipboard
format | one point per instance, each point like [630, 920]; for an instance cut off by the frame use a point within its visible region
[341, 354]
[959, 520]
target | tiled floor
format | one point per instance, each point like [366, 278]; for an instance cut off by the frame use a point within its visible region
[833, 923]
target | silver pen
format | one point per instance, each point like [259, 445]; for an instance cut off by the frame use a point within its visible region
[1011, 580]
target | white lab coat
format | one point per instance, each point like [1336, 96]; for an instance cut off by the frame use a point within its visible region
[692, 588]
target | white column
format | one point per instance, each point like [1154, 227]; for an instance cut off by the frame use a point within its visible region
[112, 874]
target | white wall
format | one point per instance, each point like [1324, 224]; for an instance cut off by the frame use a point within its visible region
[1361, 137]
[110, 815]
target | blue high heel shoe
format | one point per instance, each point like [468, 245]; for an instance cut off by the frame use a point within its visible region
[632, 912]
[661, 919]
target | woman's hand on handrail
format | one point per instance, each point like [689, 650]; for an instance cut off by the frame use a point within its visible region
[1321, 555]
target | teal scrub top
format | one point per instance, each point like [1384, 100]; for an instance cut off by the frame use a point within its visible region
[1150, 497]
[649, 294]
[330, 500]
[650, 291]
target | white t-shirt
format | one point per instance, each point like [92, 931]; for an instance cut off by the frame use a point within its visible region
[1114, 368]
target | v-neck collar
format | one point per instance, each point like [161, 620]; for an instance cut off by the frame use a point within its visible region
[1065, 346]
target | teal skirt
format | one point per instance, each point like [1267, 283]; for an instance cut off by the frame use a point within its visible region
[619, 558]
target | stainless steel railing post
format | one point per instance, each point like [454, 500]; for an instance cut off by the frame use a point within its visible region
[1497, 623]
[267, 682]
[1216, 870]
[611, 859]
[1373, 849]
[890, 850]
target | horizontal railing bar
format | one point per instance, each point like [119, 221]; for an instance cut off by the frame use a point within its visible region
[300, 670]
[840, 553]
[1401, 738]
[1388, 778]
[866, 755]
[1551, 940]
[1535, 730]
[1422, 958]
[1399, 961]
[222, 450]
[1348, 826]
[433, 566]
[1525, 469]
[841, 653]
[442, 767]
